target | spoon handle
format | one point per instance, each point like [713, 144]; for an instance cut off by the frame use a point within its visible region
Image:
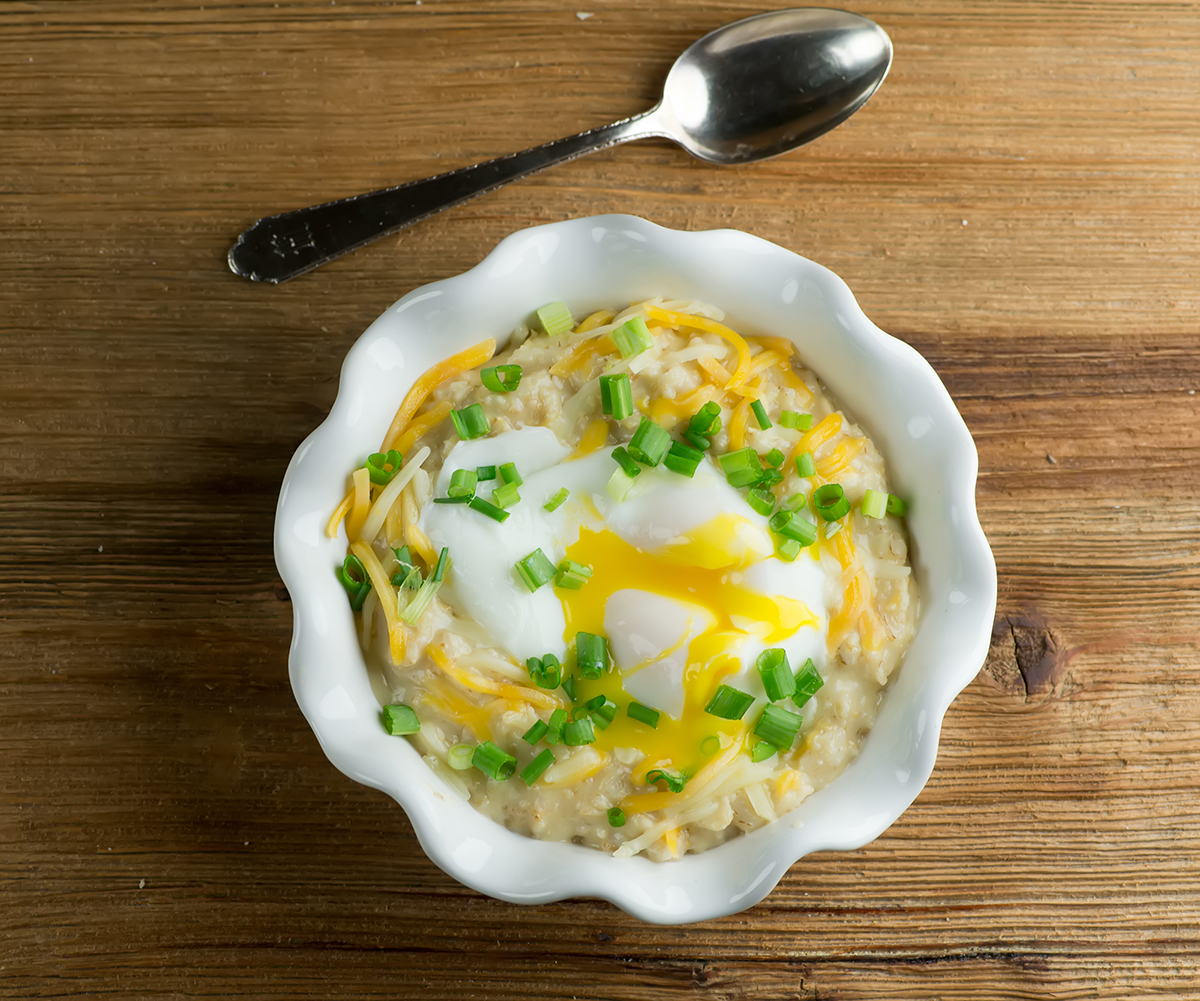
[283, 246]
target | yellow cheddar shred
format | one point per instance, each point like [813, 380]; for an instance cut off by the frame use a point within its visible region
[597, 319]
[335, 520]
[426, 422]
[386, 594]
[741, 373]
[488, 686]
[361, 504]
[430, 380]
[593, 438]
[714, 370]
[840, 457]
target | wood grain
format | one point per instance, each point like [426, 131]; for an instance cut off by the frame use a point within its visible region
[1020, 202]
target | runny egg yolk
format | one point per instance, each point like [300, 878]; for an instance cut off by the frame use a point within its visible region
[700, 568]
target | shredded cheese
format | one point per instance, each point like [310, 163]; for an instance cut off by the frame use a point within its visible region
[845, 452]
[387, 597]
[426, 422]
[430, 380]
[741, 373]
[413, 536]
[597, 319]
[361, 503]
[715, 371]
[387, 497]
[488, 686]
[335, 520]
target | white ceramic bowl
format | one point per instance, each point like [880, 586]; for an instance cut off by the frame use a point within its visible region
[889, 388]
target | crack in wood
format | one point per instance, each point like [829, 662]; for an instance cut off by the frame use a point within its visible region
[1026, 656]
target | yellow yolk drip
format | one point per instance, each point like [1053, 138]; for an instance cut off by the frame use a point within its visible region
[700, 569]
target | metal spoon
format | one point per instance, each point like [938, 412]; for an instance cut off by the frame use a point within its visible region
[749, 90]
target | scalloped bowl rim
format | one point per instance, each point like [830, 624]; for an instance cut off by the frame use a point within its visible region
[885, 385]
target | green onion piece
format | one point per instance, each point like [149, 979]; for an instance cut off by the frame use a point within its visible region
[830, 502]
[470, 422]
[769, 478]
[443, 564]
[404, 557]
[643, 714]
[452, 500]
[413, 611]
[459, 757]
[896, 506]
[616, 817]
[729, 703]
[832, 528]
[778, 726]
[625, 461]
[632, 337]
[616, 395]
[710, 745]
[760, 414]
[555, 318]
[532, 771]
[400, 719]
[602, 709]
[773, 458]
[568, 686]
[762, 500]
[793, 526]
[776, 673]
[508, 473]
[545, 671]
[619, 485]
[462, 484]
[410, 578]
[707, 420]
[808, 683]
[536, 732]
[505, 495]
[805, 465]
[701, 442]
[591, 654]
[485, 473]
[558, 719]
[683, 459]
[674, 782]
[795, 421]
[762, 750]
[378, 465]
[787, 549]
[649, 443]
[492, 761]
[572, 575]
[477, 503]
[742, 467]
[555, 502]
[535, 569]
[501, 378]
[795, 503]
[874, 504]
[354, 578]
[579, 731]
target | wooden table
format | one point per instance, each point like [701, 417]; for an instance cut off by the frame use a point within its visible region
[1020, 202]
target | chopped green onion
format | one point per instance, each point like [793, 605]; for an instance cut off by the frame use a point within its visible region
[470, 422]
[400, 719]
[404, 557]
[505, 495]
[591, 654]
[795, 503]
[616, 817]
[762, 500]
[776, 673]
[874, 504]
[535, 569]
[632, 337]
[354, 578]
[443, 564]
[625, 461]
[485, 473]
[706, 421]
[830, 501]
[508, 473]
[787, 549]
[760, 414]
[805, 465]
[555, 502]
[572, 575]
[778, 726]
[532, 771]
[579, 732]
[742, 467]
[536, 732]
[413, 611]
[773, 458]
[619, 485]
[568, 686]
[452, 500]
[377, 466]
[699, 440]
[616, 395]
[545, 671]
[459, 757]
[462, 484]
[729, 703]
[643, 714]
[501, 378]
[710, 745]
[762, 750]
[410, 578]
[477, 503]
[674, 782]
[683, 459]
[555, 318]
[896, 506]
[769, 478]
[795, 421]
[808, 683]
[558, 719]
[793, 526]
[602, 709]
[649, 443]
[492, 761]
[832, 528]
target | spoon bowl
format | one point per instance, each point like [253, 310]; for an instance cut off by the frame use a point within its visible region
[747, 91]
